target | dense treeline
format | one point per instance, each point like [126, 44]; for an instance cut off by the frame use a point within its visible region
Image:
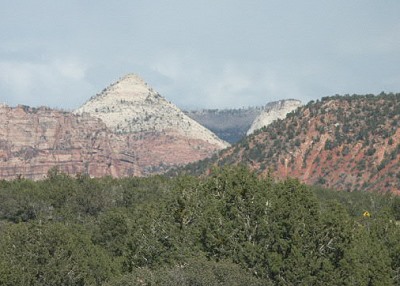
[230, 228]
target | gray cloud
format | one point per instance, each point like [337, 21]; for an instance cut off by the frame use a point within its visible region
[198, 53]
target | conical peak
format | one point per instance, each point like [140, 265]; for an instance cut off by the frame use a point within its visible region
[130, 105]
[131, 77]
[131, 80]
[130, 86]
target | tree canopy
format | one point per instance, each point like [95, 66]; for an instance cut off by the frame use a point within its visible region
[229, 228]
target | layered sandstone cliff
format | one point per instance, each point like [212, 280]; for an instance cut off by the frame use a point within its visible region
[34, 140]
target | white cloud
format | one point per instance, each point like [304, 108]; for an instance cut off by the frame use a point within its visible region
[170, 67]
[16, 77]
[72, 69]
[47, 82]
[214, 54]
[230, 87]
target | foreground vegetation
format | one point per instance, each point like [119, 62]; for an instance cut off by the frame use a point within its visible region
[230, 228]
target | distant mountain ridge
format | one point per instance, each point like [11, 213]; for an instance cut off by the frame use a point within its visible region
[341, 142]
[232, 125]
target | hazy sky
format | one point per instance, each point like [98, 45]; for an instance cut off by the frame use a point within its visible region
[213, 54]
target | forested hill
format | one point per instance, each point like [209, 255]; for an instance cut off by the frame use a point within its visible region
[342, 142]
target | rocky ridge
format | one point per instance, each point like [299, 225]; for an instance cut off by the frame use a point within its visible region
[273, 111]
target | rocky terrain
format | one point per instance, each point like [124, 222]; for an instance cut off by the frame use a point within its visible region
[273, 111]
[342, 142]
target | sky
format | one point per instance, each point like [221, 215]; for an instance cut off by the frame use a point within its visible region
[198, 54]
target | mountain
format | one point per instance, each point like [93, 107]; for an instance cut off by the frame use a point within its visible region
[131, 106]
[341, 142]
[34, 140]
[126, 130]
[232, 125]
[273, 111]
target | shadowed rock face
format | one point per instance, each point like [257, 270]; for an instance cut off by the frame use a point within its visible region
[230, 125]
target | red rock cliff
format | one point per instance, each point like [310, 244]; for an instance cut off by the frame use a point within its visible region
[34, 140]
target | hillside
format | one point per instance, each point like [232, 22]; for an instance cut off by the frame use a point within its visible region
[341, 142]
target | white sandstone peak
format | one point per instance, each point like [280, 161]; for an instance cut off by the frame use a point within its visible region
[130, 105]
[273, 111]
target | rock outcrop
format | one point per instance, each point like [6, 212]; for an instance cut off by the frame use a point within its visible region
[34, 140]
[273, 111]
